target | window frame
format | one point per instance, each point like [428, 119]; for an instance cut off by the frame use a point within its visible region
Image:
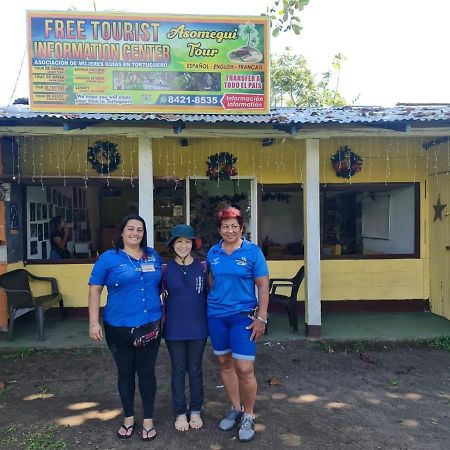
[358, 187]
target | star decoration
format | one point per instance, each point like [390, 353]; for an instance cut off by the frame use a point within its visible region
[438, 208]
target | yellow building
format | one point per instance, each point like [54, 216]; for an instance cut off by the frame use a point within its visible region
[356, 194]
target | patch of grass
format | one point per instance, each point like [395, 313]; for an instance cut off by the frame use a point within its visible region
[10, 438]
[327, 346]
[3, 394]
[441, 343]
[22, 353]
[81, 351]
[45, 439]
[359, 346]
[395, 383]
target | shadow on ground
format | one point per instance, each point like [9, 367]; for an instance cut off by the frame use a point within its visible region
[311, 396]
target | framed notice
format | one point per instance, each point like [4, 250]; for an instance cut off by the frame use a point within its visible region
[121, 62]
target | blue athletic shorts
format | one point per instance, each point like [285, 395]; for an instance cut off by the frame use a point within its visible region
[229, 335]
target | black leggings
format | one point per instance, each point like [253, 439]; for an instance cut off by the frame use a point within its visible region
[131, 360]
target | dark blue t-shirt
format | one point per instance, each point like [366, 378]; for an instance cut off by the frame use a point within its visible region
[186, 302]
[133, 287]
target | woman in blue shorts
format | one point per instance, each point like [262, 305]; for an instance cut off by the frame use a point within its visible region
[237, 317]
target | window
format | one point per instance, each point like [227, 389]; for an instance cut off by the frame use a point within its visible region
[281, 221]
[356, 221]
[169, 210]
[92, 215]
[370, 220]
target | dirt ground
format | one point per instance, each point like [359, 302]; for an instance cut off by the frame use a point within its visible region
[397, 396]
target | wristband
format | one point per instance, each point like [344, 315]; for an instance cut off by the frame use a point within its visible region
[262, 320]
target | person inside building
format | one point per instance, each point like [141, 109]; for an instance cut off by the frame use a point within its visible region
[131, 318]
[59, 235]
[185, 326]
[237, 316]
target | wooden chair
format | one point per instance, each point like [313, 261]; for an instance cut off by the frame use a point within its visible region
[21, 300]
[290, 302]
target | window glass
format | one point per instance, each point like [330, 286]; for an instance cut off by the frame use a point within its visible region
[91, 217]
[369, 220]
[281, 221]
[169, 210]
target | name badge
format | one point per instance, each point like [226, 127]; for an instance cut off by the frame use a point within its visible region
[147, 267]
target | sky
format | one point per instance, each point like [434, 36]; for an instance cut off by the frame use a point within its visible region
[395, 50]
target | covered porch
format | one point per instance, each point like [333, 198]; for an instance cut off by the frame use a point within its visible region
[283, 168]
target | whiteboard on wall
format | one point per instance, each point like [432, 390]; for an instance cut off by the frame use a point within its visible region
[375, 216]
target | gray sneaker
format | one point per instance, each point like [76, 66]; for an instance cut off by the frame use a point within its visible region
[230, 420]
[247, 428]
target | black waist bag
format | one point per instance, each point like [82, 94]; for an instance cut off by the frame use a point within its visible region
[145, 334]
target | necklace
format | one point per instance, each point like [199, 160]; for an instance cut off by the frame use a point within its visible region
[183, 267]
[138, 269]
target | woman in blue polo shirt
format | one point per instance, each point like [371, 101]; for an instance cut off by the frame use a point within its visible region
[236, 316]
[132, 274]
[185, 327]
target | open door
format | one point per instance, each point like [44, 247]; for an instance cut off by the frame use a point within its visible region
[206, 197]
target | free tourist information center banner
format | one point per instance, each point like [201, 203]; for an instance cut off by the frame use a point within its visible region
[92, 62]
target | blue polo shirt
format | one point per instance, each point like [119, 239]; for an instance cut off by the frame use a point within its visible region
[133, 294]
[234, 276]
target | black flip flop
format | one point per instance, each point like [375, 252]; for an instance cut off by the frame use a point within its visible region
[148, 430]
[126, 428]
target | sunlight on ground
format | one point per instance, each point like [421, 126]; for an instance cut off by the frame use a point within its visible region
[291, 440]
[260, 427]
[38, 397]
[408, 396]
[279, 396]
[82, 405]
[410, 423]
[374, 401]
[89, 415]
[305, 398]
[337, 405]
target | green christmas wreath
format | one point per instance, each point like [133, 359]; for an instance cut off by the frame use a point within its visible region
[346, 163]
[221, 166]
[103, 156]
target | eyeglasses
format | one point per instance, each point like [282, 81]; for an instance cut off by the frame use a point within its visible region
[232, 227]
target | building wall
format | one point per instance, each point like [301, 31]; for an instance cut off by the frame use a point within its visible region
[438, 186]
[385, 160]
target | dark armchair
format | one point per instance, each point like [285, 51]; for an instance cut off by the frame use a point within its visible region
[289, 301]
[21, 300]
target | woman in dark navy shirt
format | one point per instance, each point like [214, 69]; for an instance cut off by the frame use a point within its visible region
[132, 274]
[185, 328]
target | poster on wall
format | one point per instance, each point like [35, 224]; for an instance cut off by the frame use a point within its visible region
[122, 62]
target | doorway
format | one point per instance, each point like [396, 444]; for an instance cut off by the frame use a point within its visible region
[206, 197]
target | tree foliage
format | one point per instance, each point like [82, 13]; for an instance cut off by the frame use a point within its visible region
[284, 15]
[293, 84]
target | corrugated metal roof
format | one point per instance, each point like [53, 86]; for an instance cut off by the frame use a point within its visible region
[335, 115]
